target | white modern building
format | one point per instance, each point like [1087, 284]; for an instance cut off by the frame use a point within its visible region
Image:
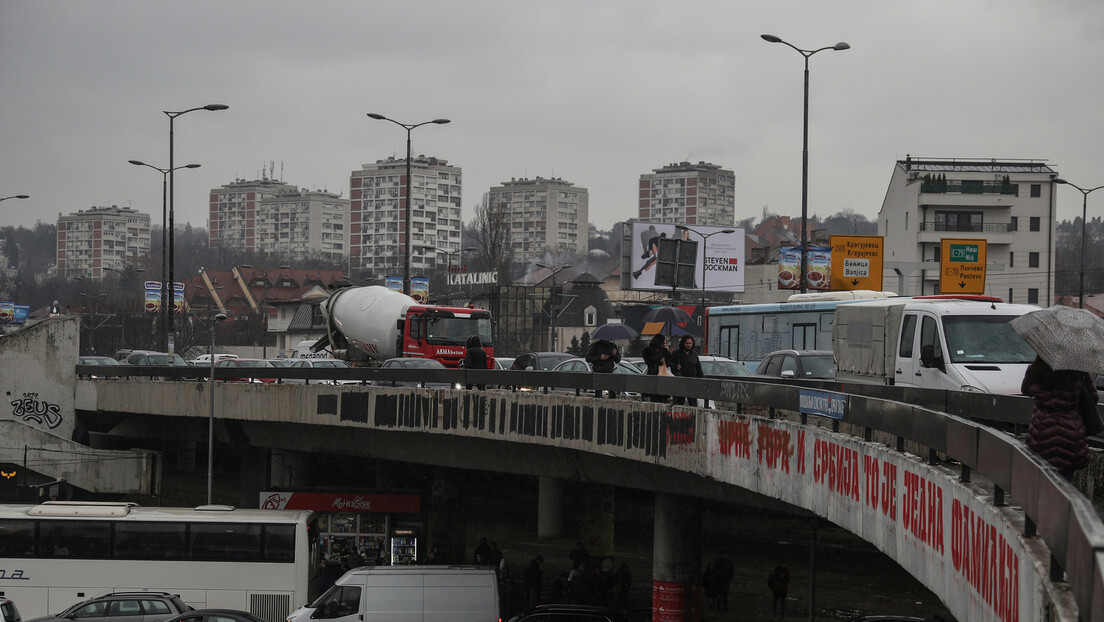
[271, 216]
[377, 195]
[91, 241]
[546, 216]
[689, 194]
[1009, 203]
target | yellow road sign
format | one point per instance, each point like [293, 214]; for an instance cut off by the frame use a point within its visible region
[962, 266]
[856, 262]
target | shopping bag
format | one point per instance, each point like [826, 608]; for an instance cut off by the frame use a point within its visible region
[663, 371]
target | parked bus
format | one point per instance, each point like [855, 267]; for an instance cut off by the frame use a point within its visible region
[747, 333]
[56, 554]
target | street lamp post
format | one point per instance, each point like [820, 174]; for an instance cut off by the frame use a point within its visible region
[805, 147]
[172, 193]
[166, 270]
[552, 302]
[16, 196]
[409, 204]
[93, 307]
[124, 282]
[264, 304]
[1084, 215]
[705, 258]
[211, 413]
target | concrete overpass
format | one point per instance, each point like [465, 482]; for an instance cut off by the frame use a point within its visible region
[915, 476]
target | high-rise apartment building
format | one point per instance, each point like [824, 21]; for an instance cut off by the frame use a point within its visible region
[88, 241]
[545, 217]
[690, 194]
[1008, 203]
[377, 194]
[270, 216]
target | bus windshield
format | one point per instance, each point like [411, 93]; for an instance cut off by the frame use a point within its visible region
[985, 339]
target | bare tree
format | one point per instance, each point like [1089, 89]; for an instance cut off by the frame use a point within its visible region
[491, 234]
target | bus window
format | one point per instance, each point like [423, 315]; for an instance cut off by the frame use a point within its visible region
[226, 542]
[279, 543]
[16, 538]
[804, 336]
[86, 539]
[149, 540]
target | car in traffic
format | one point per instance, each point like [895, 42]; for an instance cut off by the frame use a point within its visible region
[204, 360]
[216, 615]
[318, 364]
[636, 361]
[570, 613]
[253, 365]
[539, 361]
[715, 365]
[582, 365]
[122, 607]
[8, 612]
[104, 361]
[278, 362]
[798, 364]
[151, 358]
[414, 364]
[503, 362]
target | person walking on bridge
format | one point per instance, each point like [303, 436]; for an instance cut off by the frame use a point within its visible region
[603, 357]
[1057, 429]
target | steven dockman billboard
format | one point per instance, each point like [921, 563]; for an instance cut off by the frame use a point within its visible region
[721, 254]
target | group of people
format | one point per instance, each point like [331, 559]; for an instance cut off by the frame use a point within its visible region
[683, 362]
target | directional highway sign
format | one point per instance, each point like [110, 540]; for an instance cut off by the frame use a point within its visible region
[962, 266]
[856, 262]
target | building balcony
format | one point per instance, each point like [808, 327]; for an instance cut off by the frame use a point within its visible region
[994, 233]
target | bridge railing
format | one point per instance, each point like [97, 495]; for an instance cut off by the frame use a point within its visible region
[968, 428]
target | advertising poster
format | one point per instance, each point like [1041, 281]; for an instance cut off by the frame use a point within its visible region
[7, 311]
[720, 256]
[818, 268]
[419, 289]
[22, 312]
[394, 283]
[153, 296]
[178, 298]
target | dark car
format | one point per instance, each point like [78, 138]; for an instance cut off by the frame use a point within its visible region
[539, 361]
[123, 607]
[570, 613]
[799, 364]
[8, 612]
[318, 364]
[149, 357]
[216, 615]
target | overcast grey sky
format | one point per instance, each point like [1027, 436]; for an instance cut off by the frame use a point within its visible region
[593, 92]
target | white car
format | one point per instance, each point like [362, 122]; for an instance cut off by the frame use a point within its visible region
[8, 612]
[205, 359]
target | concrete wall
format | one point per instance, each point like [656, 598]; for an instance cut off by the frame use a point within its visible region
[38, 372]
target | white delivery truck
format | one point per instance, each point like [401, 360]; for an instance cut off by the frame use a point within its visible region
[407, 593]
[962, 343]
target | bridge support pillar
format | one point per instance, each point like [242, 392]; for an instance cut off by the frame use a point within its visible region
[549, 508]
[676, 559]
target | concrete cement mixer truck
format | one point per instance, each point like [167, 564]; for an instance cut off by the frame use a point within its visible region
[367, 325]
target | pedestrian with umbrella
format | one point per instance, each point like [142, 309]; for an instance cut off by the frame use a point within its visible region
[1070, 345]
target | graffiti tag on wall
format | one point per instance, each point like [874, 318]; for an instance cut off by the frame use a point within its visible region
[30, 408]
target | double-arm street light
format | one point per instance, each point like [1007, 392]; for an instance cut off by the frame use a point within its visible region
[450, 255]
[805, 147]
[172, 192]
[167, 292]
[16, 196]
[1084, 214]
[409, 202]
[705, 258]
[552, 302]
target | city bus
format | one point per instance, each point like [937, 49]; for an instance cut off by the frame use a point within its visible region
[747, 333]
[56, 554]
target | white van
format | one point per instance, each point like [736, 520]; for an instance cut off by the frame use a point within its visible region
[962, 343]
[303, 351]
[408, 594]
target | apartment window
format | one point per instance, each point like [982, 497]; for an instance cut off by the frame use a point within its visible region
[1032, 296]
[1009, 295]
[1033, 260]
[1011, 259]
[1036, 223]
[1036, 190]
[1014, 225]
[958, 221]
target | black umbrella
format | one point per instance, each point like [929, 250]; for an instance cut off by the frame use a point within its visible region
[614, 332]
[675, 320]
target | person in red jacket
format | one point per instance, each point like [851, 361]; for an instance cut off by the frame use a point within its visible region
[1057, 430]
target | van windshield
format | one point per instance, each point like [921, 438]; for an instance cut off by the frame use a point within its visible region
[985, 339]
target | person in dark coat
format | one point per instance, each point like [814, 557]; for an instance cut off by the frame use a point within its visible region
[656, 354]
[725, 571]
[603, 357]
[475, 357]
[687, 365]
[779, 583]
[1057, 431]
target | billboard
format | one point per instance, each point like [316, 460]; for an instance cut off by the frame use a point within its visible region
[818, 260]
[719, 265]
[153, 297]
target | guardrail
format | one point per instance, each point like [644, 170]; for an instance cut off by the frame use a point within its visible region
[967, 428]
